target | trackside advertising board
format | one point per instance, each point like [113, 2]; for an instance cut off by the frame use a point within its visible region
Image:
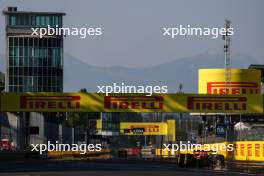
[93, 102]
[167, 128]
[143, 128]
[242, 81]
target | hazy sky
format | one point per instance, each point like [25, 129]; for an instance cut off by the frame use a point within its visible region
[132, 30]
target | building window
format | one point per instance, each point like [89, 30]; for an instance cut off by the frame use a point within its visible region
[12, 20]
[43, 21]
[38, 20]
[16, 41]
[11, 41]
[26, 18]
[33, 20]
[11, 61]
[20, 20]
[47, 20]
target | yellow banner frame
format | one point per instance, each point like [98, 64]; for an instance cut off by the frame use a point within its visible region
[167, 128]
[149, 128]
[93, 102]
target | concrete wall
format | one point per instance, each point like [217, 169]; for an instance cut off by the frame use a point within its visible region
[37, 120]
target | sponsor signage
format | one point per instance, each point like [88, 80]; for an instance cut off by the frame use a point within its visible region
[138, 130]
[92, 102]
[167, 129]
[242, 81]
[143, 128]
[133, 102]
[49, 102]
[233, 88]
[220, 130]
[217, 103]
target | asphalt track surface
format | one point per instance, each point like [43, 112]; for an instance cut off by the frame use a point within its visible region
[102, 168]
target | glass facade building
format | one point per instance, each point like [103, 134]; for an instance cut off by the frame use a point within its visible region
[33, 64]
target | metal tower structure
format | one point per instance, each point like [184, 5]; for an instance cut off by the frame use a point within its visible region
[227, 52]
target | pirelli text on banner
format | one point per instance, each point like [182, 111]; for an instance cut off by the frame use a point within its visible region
[50, 102]
[143, 128]
[133, 102]
[218, 103]
[233, 88]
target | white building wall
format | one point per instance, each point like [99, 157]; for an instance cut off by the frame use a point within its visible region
[37, 120]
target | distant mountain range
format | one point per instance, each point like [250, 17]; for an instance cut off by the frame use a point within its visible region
[78, 74]
[181, 71]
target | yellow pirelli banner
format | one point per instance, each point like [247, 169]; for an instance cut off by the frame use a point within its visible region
[92, 102]
[249, 150]
[242, 81]
[167, 128]
[143, 128]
